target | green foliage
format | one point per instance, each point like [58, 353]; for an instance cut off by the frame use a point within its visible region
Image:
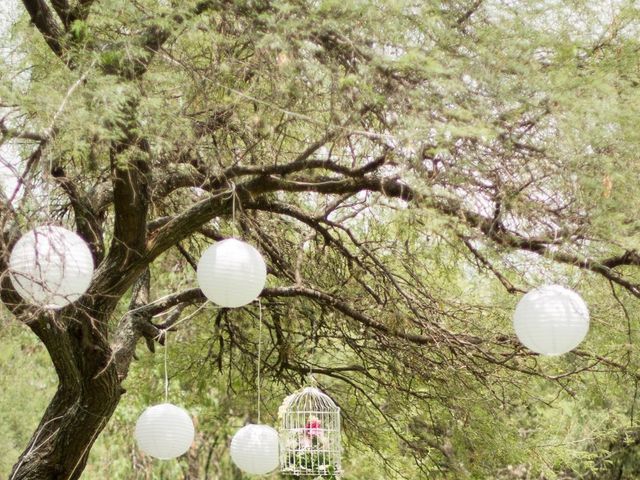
[28, 383]
[524, 114]
[79, 31]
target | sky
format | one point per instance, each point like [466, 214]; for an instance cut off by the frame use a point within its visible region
[604, 10]
[8, 9]
[9, 159]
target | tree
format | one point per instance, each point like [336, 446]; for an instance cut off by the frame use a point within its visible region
[361, 146]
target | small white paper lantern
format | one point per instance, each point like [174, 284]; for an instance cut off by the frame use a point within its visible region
[51, 267]
[164, 431]
[231, 273]
[254, 449]
[551, 320]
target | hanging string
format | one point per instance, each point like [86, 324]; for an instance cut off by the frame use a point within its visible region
[259, 355]
[49, 188]
[233, 208]
[166, 348]
[313, 329]
[312, 351]
[166, 370]
[582, 270]
[193, 314]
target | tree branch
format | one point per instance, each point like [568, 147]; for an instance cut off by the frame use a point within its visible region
[63, 10]
[195, 295]
[88, 222]
[484, 261]
[68, 13]
[8, 133]
[184, 224]
[130, 172]
[467, 15]
[503, 237]
[44, 20]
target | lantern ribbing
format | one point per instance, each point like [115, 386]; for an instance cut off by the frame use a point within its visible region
[551, 320]
[51, 267]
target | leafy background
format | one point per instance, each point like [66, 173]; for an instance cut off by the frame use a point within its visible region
[431, 412]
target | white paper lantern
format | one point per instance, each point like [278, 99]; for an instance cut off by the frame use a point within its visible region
[164, 431]
[51, 267]
[551, 320]
[254, 449]
[231, 273]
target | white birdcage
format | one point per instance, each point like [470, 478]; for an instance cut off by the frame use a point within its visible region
[310, 439]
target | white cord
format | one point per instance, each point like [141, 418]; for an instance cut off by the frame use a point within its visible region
[233, 209]
[166, 371]
[259, 354]
[191, 315]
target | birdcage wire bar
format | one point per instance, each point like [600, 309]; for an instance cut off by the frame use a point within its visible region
[310, 435]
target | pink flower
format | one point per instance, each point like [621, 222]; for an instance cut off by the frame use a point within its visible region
[313, 427]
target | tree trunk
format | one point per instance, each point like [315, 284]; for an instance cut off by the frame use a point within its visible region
[88, 393]
[60, 446]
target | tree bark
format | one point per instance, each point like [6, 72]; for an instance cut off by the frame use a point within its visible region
[73, 420]
[88, 393]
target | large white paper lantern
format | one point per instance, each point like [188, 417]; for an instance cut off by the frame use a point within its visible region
[164, 431]
[231, 273]
[551, 320]
[51, 267]
[254, 449]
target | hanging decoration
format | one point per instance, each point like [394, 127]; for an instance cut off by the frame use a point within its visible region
[51, 267]
[254, 449]
[164, 431]
[231, 273]
[310, 437]
[551, 320]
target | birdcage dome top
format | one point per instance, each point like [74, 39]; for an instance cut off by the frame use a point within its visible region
[310, 399]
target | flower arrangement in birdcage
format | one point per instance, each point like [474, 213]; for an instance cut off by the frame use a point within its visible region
[310, 438]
